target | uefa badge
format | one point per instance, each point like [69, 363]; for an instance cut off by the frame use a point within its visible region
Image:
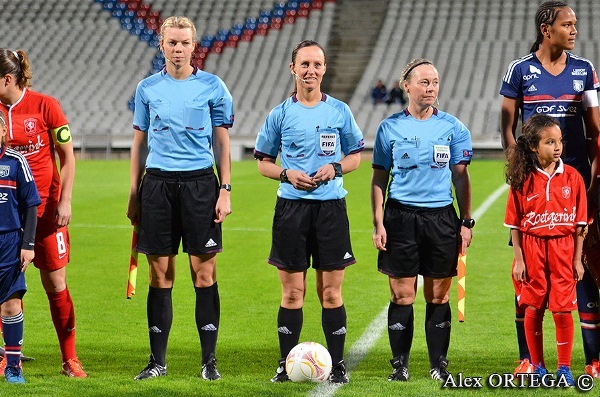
[578, 85]
[327, 143]
[566, 192]
[30, 126]
[4, 170]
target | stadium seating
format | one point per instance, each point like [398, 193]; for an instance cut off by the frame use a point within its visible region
[90, 54]
[471, 43]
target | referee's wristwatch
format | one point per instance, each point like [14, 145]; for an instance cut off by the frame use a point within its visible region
[468, 223]
[283, 176]
[337, 167]
[226, 186]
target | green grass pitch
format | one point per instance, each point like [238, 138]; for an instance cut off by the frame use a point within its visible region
[112, 339]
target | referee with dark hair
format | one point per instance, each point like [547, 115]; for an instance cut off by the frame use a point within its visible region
[312, 132]
[426, 152]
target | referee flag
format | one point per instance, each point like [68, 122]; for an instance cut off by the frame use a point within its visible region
[133, 263]
[462, 273]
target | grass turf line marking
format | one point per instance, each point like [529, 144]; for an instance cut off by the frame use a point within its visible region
[361, 347]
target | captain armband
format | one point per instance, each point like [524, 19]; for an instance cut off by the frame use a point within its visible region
[61, 135]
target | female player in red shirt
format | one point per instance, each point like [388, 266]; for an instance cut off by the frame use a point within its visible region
[39, 130]
[552, 80]
[546, 212]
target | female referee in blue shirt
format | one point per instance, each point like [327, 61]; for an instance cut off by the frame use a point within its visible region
[312, 132]
[183, 113]
[425, 151]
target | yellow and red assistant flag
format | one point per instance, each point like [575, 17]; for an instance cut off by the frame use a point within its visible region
[133, 263]
[461, 275]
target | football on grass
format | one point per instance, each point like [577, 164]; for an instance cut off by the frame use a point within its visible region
[308, 361]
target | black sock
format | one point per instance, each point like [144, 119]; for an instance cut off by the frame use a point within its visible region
[334, 327]
[160, 317]
[401, 326]
[520, 325]
[208, 313]
[289, 325]
[438, 320]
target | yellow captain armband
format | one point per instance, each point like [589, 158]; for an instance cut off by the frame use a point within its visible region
[61, 135]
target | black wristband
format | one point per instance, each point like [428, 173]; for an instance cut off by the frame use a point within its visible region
[337, 167]
[283, 176]
[226, 186]
[468, 223]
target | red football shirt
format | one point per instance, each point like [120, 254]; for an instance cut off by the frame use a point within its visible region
[31, 121]
[548, 205]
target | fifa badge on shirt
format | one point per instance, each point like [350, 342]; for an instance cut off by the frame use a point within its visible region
[327, 144]
[441, 155]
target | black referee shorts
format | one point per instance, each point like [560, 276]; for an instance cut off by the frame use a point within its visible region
[311, 229]
[179, 207]
[420, 240]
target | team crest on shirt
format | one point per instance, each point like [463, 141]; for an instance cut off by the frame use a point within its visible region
[30, 126]
[566, 192]
[578, 85]
[327, 143]
[4, 170]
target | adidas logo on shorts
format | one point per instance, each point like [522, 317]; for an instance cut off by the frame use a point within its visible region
[210, 243]
[347, 255]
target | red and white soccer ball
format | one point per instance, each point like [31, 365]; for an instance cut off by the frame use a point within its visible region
[308, 361]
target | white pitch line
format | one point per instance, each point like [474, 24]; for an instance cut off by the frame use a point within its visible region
[488, 202]
[363, 345]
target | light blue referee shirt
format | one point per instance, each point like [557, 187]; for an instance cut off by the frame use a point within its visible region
[418, 154]
[179, 116]
[308, 138]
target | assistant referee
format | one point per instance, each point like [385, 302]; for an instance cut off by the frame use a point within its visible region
[183, 113]
[426, 152]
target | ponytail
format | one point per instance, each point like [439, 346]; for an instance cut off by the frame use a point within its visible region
[16, 63]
